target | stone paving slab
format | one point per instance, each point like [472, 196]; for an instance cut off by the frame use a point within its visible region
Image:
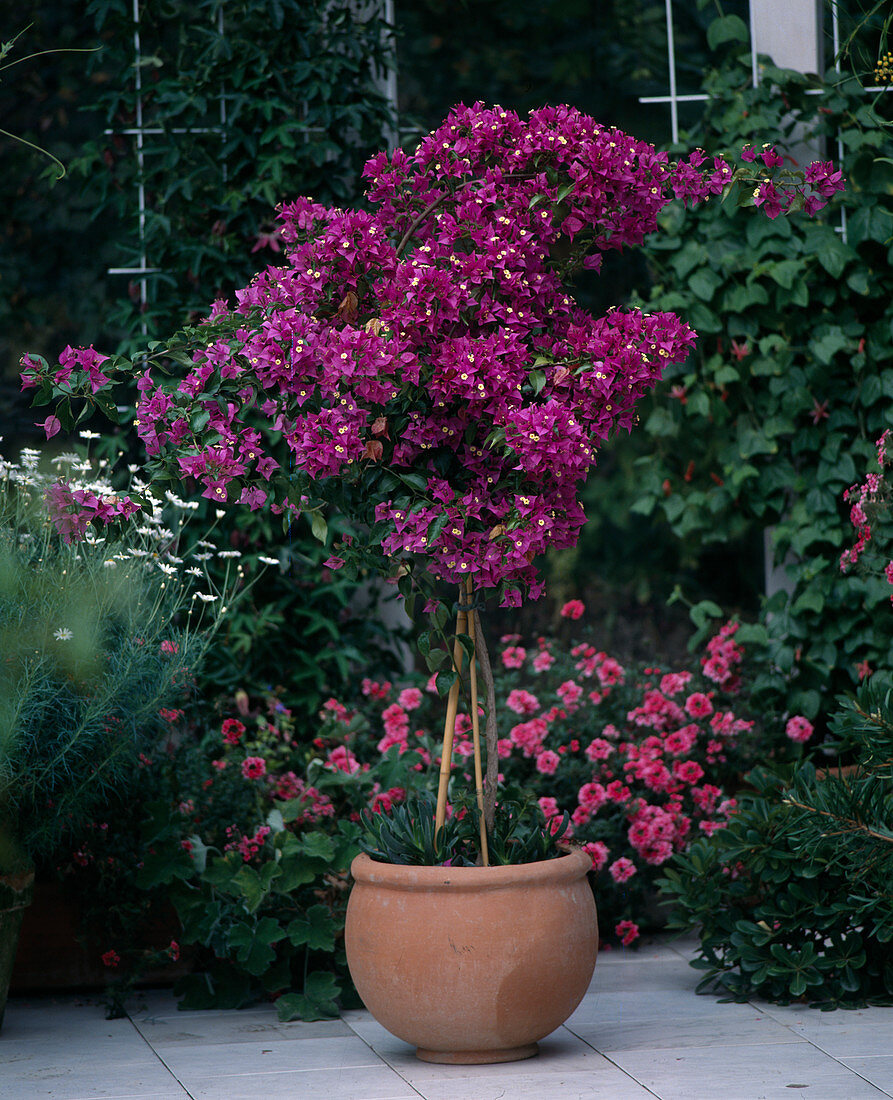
[641, 1032]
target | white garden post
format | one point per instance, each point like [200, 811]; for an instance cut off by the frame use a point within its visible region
[790, 32]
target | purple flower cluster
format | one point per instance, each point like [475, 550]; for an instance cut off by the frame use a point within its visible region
[775, 199]
[428, 353]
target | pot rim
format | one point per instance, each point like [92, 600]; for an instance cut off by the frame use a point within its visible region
[566, 868]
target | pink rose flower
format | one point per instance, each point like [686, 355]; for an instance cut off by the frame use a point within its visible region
[547, 762]
[627, 930]
[254, 767]
[598, 853]
[799, 728]
[622, 870]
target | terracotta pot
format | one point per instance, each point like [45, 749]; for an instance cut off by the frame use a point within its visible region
[472, 964]
[15, 896]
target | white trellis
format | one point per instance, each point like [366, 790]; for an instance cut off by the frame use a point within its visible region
[139, 131]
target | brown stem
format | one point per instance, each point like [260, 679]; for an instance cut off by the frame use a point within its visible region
[449, 725]
[490, 734]
[417, 221]
[851, 824]
[476, 725]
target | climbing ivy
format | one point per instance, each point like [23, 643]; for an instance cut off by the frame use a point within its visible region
[776, 413]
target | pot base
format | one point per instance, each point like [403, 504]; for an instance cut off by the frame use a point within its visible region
[477, 1057]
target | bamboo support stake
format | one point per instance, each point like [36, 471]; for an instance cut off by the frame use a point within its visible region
[449, 727]
[476, 729]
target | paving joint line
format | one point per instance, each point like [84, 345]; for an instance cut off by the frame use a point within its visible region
[821, 1050]
[610, 1060]
[385, 1062]
[158, 1056]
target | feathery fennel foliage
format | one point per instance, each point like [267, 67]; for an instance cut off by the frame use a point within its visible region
[88, 656]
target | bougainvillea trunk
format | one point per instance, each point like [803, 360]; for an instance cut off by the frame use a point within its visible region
[476, 723]
[449, 728]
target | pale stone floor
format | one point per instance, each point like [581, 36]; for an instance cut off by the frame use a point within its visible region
[640, 1032]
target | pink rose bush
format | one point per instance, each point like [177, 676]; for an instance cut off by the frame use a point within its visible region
[643, 760]
[869, 511]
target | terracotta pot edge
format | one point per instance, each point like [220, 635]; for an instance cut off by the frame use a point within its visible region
[569, 867]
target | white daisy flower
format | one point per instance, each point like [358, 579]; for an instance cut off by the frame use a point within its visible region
[63, 634]
[89, 435]
[268, 561]
[168, 569]
[204, 597]
[229, 553]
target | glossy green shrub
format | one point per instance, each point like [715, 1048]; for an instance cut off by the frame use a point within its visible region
[794, 900]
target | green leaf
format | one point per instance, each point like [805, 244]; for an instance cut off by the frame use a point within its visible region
[825, 347]
[811, 600]
[806, 703]
[318, 526]
[661, 423]
[704, 283]
[752, 634]
[163, 868]
[315, 929]
[413, 480]
[785, 272]
[317, 1002]
[537, 380]
[253, 945]
[751, 442]
[702, 612]
[105, 404]
[833, 254]
[318, 845]
[436, 526]
[294, 868]
[255, 886]
[727, 28]
[871, 390]
[444, 683]
[200, 421]
[199, 853]
[741, 298]
[435, 659]
[727, 374]
[698, 404]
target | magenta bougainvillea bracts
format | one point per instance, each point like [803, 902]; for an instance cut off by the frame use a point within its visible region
[422, 367]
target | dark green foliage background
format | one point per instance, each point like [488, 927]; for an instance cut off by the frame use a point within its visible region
[790, 384]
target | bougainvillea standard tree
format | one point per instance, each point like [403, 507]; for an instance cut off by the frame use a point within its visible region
[422, 368]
